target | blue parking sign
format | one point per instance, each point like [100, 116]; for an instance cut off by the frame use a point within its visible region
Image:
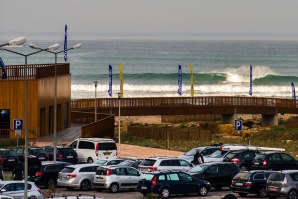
[17, 124]
[238, 125]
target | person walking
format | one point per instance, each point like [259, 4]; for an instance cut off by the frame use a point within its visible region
[198, 159]
[17, 172]
[1, 173]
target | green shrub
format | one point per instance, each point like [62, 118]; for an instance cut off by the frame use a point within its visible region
[11, 142]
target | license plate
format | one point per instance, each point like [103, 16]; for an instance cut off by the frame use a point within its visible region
[70, 156]
[107, 153]
[256, 163]
[238, 184]
[42, 158]
[273, 189]
[143, 188]
[11, 160]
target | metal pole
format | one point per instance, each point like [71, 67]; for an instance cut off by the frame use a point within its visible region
[55, 110]
[119, 138]
[95, 111]
[26, 132]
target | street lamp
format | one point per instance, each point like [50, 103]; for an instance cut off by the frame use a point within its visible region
[95, 99]
[51, 50]
[119, 135]
[15, 42]
[26, 112]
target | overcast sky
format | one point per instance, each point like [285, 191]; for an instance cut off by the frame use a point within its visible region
[188, 18]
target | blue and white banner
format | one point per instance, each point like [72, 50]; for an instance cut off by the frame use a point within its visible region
[110, 80]
[3, 70]
[65, 44]
[293, 91]
[179, 80]
[250, 80]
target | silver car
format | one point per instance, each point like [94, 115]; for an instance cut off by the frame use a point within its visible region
[77, 176]
[115, 178]
[283, 183]
[164, 164]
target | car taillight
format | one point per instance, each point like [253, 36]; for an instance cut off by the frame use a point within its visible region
[60, 157]
[96, 149]
[154, 181]
[1, 160]
[220, 148]
[38, 174]
[235, 160]
[108, 172]
[265, 162]
[72, 175]
[248, 184]
[153, 168]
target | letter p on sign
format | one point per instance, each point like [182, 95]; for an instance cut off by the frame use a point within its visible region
[238, 125]
[17, 124]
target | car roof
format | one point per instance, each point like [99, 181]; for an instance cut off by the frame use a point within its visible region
[256, 171]
[162, 158]
[15, 181]
[115, 166]
[52, 162]
[81, 165]
[97, 139]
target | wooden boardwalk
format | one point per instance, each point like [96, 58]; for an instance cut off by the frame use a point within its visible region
[187, 105]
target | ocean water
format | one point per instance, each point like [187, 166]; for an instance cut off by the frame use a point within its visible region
[221, 68]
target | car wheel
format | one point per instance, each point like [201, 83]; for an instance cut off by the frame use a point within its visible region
[114, 188]
[51, 183]
[243, 167]
[261, 192]
[85, 185]
[242, 194]
[89, 160]
[165, 193]
[203, 191]
[292, 194]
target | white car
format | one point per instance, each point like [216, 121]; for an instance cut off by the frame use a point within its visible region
[5, 197]
[16, 189]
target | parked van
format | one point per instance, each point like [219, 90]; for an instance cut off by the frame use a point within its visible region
[91, 149]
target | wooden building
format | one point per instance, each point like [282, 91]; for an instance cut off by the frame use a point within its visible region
[41, 95]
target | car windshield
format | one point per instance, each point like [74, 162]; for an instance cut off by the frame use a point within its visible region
[191, 152]
[199, 168]
[147, 162]
[101, 162]
[147, 176]
[218, 154]
[242, 175]
[49, 149]
[37, 152]
[125, 163]
[8, 153]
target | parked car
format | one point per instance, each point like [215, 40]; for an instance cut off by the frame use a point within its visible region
[91, 149]
[131, 163]
[5, 197]
[274, 161]
[164, 163]
[219, 174]
[283, 183]
[48, 173]
[250, 182]
[116, 178]
[166, 183]
[243, 158]
[79, 196]
[64, 154]
[204, 151]
[34, 151]
[108, 162]
[8, 158]
[77, 176]
[16, 189]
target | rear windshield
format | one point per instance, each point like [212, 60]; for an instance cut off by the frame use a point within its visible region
[103, 171]
[218, 154]
[260, 157]
[37, 151]
[147, 162]
[68, 170]
[230, 155]
[9, 153]
[147, 176]
[277, 177]
[101, 162]
[66, 151]
[107, 146]
[125, 163]
[242, 176]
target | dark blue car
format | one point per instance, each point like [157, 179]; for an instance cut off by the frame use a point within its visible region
[172, 182]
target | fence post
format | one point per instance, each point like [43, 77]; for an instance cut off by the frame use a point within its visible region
[168, 138]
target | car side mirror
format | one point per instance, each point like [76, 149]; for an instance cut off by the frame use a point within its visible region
[2, 190]
[139, 174]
